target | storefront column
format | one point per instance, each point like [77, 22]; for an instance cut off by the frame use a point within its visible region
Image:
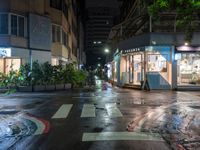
[174, 68]
[145, 65]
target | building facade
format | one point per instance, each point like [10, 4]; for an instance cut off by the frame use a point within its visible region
[154, 52]
[39, 30]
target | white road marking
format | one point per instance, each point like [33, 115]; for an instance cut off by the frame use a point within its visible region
[113, 111]
[63, 111]
[121, 136]
[88, 110]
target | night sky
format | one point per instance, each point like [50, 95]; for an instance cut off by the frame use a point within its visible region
[95, 56]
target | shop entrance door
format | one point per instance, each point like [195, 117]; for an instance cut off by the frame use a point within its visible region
[131, 69]
[137, 59]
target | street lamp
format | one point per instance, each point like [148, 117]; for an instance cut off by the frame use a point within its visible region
[106, 50]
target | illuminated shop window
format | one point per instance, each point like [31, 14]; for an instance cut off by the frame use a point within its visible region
[157, 63]
[12, 64]
[8, 64]
[188, 69]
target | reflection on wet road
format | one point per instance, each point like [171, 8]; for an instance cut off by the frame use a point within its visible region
[100, 119]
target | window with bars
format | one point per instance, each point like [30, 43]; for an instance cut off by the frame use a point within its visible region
[56, 33]
[64, 38]
[17, 25]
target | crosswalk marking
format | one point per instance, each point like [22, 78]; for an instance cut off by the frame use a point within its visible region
[63, 111]
[113, 111]
[121, 136]
[88, 110]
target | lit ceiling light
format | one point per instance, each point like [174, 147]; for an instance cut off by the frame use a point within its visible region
[186, 44]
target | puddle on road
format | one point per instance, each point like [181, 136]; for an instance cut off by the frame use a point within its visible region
[8, 112]
[24, 106]
[98, 129]
[178, 125]
[15, 125]
[195, 107]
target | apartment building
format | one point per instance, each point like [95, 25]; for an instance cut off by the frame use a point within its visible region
[39, 30]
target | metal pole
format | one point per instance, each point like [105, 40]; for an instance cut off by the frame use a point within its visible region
[150, 24]
[175, 24]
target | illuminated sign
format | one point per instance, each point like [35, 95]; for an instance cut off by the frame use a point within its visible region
[5, 52]
[188, 48]
[133, 50]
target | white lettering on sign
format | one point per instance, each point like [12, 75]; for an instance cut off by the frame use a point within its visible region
[132, 50]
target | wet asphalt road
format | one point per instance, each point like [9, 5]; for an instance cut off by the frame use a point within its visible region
[100, 119]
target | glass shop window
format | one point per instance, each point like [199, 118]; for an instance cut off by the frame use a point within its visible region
[189, 69]
[157, 63]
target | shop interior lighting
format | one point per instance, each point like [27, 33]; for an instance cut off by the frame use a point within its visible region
[186, 44]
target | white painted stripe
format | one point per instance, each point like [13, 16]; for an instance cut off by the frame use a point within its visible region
[121, 136]
[88, 110]
[63, 111]
[113, 111]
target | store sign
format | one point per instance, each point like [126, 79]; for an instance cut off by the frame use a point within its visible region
[40, 32]
[5, 52]
[133, 50]
[188, 48]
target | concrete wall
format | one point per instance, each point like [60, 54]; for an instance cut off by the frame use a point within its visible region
[158, 39]
[21, 53]
[41, 56]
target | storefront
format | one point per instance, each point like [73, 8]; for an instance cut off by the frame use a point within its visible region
[151, 63]
[188, 66]
[8, 63]
[115, 66]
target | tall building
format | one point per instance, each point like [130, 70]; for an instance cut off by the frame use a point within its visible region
[154, 51]
[100, 19]
[42, 30]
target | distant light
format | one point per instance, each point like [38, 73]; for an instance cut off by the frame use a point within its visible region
[99, 65]
[99, 58]
[107, 50]
[186, 44]
[95, 42]
[99, 42]
[154, 42]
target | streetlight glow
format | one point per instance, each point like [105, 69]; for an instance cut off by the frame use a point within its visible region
[107, 50]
